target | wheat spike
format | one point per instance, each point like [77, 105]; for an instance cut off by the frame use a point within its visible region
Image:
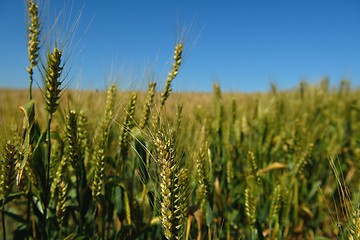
[303, 160]
[172, 74]
[148, 105]
[173, 188]
[275, 203]
[201, 168]
[99, 173]
[52, 80]
[250, 206]
[7, 174]
[33, 39]
[61, 202]
[128, 123]
[100, 144]
[72, 139]
[254, 167]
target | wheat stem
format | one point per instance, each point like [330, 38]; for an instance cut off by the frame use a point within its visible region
[3, 219]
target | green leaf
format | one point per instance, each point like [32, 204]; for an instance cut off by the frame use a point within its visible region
[232, 216]
[29, 118]
[17, 218]
[118, 200]
[140, 147]
[13, 196]
[321, 238]
[38, 164]
[74, 236]
[259, 230]
[122, 203]
[208, 215]
[29, 113]
[315, 188]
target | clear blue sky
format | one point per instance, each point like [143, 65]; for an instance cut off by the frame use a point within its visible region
[241, 44]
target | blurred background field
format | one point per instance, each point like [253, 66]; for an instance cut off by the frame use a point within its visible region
[291, 135]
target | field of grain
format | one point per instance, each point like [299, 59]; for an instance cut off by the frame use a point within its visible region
[159, 164]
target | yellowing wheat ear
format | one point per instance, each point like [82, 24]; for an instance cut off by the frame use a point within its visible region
[172, 74]
[173, 188]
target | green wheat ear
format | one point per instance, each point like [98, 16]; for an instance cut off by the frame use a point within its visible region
[147, 107]
[219, 108]
[128, 123]
[7, 174]
[250, 206]
[179, 108]
[275, 204]
[83, 136]
[61, 202]
[303, 160]
[100, 142]
[201, 167]
[99, 173]
[52, 81]
[59, 175]
[72, 139]
[101, 134]
[254, 167]
[285, 205]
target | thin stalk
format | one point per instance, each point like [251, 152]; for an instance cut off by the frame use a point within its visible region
[3, 219]
[30, 87]
[48, 152]
[94, 217]
[79, 198]
[47, 200]
[28, 210]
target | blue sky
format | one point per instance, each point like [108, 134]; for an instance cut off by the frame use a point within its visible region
[243, 45]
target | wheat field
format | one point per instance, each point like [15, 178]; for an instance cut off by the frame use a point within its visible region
[158, 164]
